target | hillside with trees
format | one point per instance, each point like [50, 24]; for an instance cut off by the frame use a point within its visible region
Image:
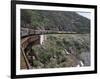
[54, 20]
[57, 50]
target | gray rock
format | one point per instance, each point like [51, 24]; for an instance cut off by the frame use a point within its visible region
[85, 57]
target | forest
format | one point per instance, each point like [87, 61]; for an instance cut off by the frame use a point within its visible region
[55, 20]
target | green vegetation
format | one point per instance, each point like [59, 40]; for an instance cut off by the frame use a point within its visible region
[54, 20]
[51, 53]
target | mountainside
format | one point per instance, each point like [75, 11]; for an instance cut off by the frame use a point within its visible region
[59, 50]
[63, 50]
[69, 48]
[54, 20]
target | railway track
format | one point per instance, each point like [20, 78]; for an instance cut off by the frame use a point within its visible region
[25, 42]
[33, 40]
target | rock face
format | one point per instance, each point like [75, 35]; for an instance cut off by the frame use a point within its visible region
[42, 39]
[85, 57]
